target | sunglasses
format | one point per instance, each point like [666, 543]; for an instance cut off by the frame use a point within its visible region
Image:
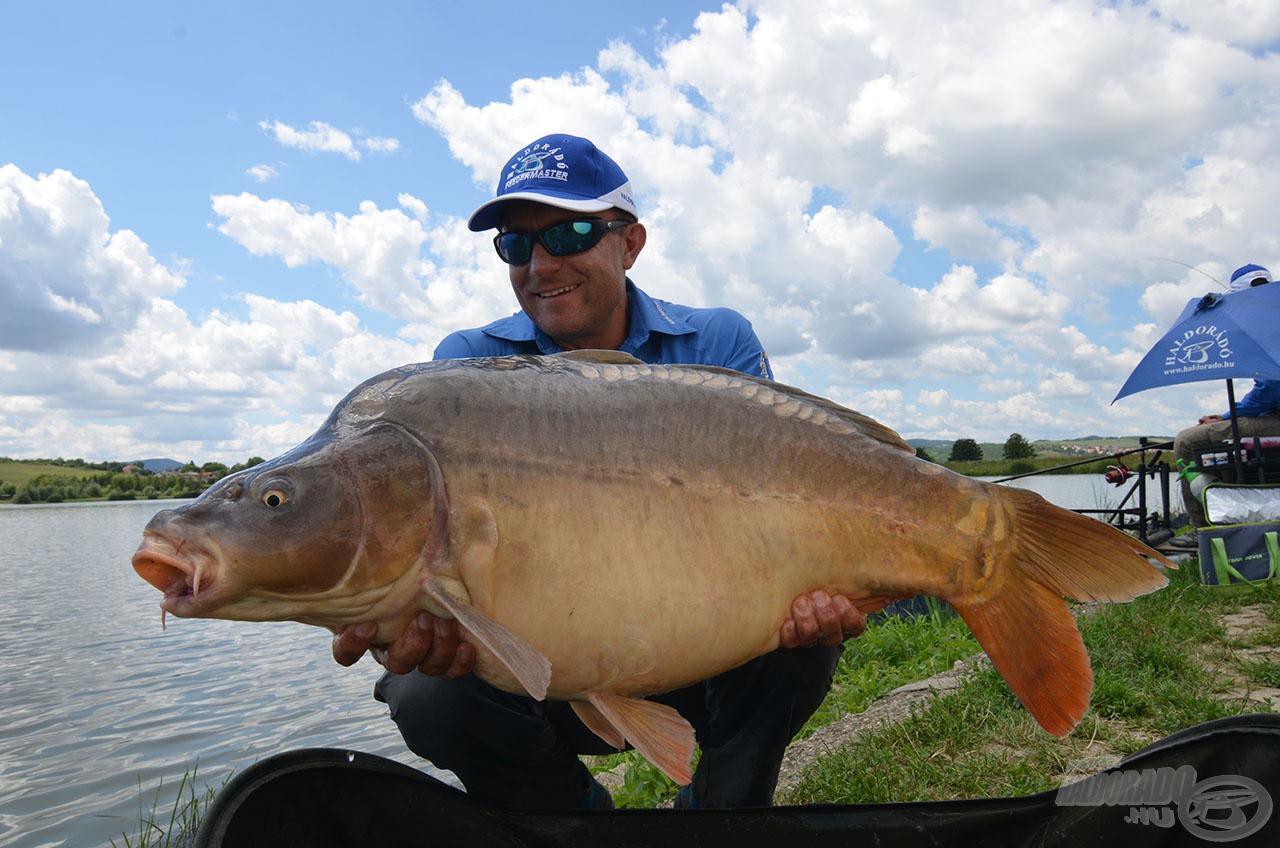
[563, 239]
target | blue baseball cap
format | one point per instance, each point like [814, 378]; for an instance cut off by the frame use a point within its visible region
[559, 170]
[1247, 276]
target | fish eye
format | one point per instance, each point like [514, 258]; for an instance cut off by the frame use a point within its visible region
[275, 498]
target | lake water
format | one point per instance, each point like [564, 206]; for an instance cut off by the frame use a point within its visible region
[1091, 491]
[96, 700]
[97, 703]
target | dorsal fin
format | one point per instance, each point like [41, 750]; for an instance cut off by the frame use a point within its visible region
[604, 357]
[865, 424]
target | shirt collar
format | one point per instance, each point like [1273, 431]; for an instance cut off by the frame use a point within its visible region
[645, 315]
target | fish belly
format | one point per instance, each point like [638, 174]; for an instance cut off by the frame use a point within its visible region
[640, 587]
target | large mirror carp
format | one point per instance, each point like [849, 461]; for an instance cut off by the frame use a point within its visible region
[604, 529]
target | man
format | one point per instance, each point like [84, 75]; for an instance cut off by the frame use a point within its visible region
[569, 232]
[1258, 414]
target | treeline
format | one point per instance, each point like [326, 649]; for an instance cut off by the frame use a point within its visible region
[55, 488]
[187, 482]
[968, 450]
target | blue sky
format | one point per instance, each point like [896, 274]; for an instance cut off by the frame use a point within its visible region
[215, 219]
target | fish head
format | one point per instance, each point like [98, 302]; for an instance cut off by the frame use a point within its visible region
[320, 534]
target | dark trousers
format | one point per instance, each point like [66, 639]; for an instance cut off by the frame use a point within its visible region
[520, 753]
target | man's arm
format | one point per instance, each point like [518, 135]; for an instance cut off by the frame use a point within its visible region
[1263, 398]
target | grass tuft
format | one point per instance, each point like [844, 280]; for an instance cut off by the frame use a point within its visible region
[175, 828]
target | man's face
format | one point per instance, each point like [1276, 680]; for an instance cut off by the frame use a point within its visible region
[579, 300]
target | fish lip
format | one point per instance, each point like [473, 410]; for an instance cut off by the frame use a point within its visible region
[180, 570]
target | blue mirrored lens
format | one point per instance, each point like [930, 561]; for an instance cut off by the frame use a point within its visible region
[514, 248]
[570, 237]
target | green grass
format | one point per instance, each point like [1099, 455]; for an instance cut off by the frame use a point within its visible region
[1158, 666]
[891, 653]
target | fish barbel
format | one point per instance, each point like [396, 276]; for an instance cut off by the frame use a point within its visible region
[603, 529]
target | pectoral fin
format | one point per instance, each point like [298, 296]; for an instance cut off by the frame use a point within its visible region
[655, 730]
[525, 662]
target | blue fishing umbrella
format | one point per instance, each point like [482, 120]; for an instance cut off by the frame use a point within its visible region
[1217, 337]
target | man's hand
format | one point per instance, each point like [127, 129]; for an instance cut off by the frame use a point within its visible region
[429, 644]
[1205, 419]
[817, 618]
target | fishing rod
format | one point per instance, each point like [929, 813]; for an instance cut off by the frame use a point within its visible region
[1192, 267]
[1156, 446]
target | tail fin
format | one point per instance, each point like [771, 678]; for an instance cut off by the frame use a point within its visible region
[1024, 624]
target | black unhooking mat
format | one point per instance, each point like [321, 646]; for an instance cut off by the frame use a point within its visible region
[1213, 783]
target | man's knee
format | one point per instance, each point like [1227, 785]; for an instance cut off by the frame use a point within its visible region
[424, 708]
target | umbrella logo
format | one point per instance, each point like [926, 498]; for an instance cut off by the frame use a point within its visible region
[1199, 346]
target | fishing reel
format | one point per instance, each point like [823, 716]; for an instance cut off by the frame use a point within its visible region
[1117, 474]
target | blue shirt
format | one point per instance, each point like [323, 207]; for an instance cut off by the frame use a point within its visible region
[659, 333]
[1263, 398]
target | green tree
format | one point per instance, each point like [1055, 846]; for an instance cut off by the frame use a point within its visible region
[965, 450]
[217, 469]
[924, 454]
[1016, 447]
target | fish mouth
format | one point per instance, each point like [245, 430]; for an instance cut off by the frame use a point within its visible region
[186, 580]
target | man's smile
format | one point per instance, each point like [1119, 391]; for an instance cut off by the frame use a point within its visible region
[557, 292]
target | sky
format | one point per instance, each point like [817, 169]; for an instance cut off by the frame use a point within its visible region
[965, 219]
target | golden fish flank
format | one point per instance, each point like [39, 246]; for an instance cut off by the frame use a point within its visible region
[535, 500]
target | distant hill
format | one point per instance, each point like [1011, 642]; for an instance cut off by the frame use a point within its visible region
[155, 466]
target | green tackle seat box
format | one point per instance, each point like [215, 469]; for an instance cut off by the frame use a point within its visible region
[1241, 544]
[1238, 554]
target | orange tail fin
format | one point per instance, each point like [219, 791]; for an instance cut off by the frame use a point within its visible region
[1024, 624]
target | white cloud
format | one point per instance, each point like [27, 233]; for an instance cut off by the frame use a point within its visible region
[320, 137]
[263, 173]
[383, 253]
[378, 144]
[67, 282]
[97, 360]
[317, 137]
[1251, 23]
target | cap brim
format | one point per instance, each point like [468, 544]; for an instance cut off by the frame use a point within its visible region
[489, 215]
